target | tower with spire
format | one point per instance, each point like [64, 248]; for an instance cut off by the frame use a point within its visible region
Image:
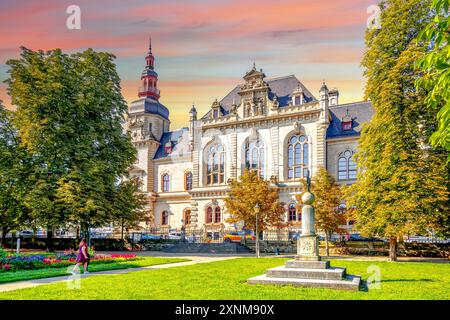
[149, 78]
[148, 121]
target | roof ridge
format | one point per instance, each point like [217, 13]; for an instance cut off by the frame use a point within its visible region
[350, 103]
[282, 77]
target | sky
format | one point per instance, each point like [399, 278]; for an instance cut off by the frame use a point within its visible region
[202, 48]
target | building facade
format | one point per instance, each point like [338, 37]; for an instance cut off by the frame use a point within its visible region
[273, 125]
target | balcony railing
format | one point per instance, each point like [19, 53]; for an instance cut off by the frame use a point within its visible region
[149, 89]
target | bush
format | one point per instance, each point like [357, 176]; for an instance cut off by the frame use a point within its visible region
[34, 262]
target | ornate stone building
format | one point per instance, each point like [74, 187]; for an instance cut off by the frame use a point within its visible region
[273, 125]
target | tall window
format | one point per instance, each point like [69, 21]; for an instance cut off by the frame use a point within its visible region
[164, 218]
[215, 171]
[188, 181]
[187, 216]
[213, 214]
[292, 214]
[255, 156]
[209, 215]
[165, 182]
[298, 156]
[217, 215]
[346, 166]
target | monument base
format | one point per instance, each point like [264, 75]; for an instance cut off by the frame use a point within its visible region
[308, 270]
[308, 248]
[309, 274]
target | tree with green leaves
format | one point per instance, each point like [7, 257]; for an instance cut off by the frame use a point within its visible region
[70, 112]
[129, 206]
[328, 194]
[12, 213]
[245, 194]
[436, 67]
[403, 182]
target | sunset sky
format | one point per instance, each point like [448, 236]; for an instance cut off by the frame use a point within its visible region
[202, 48]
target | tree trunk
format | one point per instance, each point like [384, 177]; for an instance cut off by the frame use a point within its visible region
[327, 250]
[121, 237]
[3, 239]
[49, 239]
[393, 249]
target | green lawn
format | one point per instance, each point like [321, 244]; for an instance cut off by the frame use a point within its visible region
[227, 280]
[55, 272]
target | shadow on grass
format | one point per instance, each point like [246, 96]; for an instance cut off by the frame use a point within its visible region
[409, 280]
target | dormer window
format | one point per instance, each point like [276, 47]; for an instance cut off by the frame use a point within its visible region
[297, 96]
[347, 122]
[215, 109]
[347, 125]
[168, 148]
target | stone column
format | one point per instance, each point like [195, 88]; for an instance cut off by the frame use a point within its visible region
[275, 144]
[321, 145]
[307, 244]
[233, 147]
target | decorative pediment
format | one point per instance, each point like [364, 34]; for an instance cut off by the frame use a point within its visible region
[254, 74]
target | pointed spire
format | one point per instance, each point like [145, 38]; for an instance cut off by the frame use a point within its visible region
[149, 77]
[254, 65]
[193, 109]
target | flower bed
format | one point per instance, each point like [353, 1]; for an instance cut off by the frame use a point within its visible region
[13, 263]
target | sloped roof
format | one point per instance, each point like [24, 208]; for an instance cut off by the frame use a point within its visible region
[149, 105]
[179, 140]
[282, 87]
[360, 112]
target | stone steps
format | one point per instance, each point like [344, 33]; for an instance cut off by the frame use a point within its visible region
[348, 283]
[309, 274]
[302, 273]
[308, 264]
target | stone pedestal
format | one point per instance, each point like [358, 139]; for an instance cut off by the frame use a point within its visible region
[307, 270]
[308, 248]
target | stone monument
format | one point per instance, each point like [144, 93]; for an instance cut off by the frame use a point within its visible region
[307, 269]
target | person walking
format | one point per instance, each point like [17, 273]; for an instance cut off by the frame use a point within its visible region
[82, 257]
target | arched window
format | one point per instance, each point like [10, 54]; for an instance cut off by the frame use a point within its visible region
[164, 218]
[188, 181]
[298, 156]
[165, 182]
[209, 215]
[187, 216]
[292, 213]
[255, 156]
[346, 166]
[215, 170]
[217, 215]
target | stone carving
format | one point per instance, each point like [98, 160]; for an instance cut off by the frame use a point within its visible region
[298, 127]
[248, 110]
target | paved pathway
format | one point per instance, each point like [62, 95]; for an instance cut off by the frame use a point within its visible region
[194, 260]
